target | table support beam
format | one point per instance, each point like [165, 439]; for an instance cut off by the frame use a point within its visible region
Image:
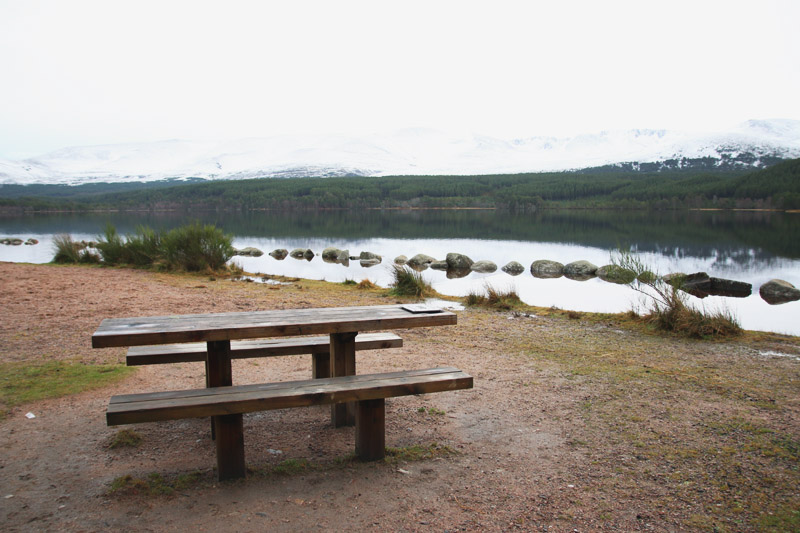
[343, 363]
[371, 429]
[227, 429]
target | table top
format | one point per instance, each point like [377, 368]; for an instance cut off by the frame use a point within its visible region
[142, 331]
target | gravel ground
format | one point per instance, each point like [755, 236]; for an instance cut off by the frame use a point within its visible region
[582, 424]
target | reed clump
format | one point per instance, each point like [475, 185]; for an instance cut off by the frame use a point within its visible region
[408, 283]
[501, 299]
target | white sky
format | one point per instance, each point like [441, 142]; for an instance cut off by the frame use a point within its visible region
[100, 72]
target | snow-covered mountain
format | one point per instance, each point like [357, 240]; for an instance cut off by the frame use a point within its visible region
[414, 151]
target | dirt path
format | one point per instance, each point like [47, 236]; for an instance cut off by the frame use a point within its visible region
[572, 425]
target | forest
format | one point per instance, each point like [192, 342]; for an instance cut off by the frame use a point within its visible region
[776, 187]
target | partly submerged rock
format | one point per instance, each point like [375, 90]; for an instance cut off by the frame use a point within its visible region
[615, 274]
[458, 261]
[249, 252]
[483, 266]
[400, 260]
[730, 288]
[513, 268]
[420, 261]
[279, 254]
[455, 273]
[302, 253]
[366, 263]
[580, 270]
[369, 256]
[31, 241]
[546, 269]
[331, 254]
[438, 265]
[778, 291]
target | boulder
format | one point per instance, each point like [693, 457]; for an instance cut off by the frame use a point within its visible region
[483, 266]
[546, 269]
[14, 241]
[420, 260]
[249, 252]
[697, 284]
[331, 254]
[31, 241]
[344, 258]
[580, 270]
[458, 261]
[400, 260]
[297, 253]
[731, 288]
[778, 291]
[279, 254]
[439, 265]
[308, 255]
[615, 274]
[369, 256]
[513, 268]
[366, 263]
[675, 279]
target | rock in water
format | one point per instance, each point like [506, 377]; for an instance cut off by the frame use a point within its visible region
[580, 270]
[615, 274]
[778, 291]
[279, 254]
[400, 260]
[546, 269]
[438, 265]
[249, 252]
[483, 266]
[420, 261]
[458, 261]
[369, 256]
[513, 268]
[331, 254]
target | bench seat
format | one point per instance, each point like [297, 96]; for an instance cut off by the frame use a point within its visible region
[192, 352]
[228, 403]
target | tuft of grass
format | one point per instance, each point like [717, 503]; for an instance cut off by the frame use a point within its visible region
[431, 411]
[192, 248]
[409, 283]
[349, 282]
[125, 438]
[417, 452]
[66, 250]
[21, 383]
[504, 300]
[667, 307]
[366, 284]
[154, 485]
[291, 467]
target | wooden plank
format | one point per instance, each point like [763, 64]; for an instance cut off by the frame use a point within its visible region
[230, 447]
[174, 405]
[274, 323]
[192, 352]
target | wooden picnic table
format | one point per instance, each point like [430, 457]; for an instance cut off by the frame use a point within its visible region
[218, 329]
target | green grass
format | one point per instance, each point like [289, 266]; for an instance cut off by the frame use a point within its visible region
[408, 283]
[154, 485]
[125, 438]
[494, 299]
[24, 382]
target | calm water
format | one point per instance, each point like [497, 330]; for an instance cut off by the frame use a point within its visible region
[745, 246]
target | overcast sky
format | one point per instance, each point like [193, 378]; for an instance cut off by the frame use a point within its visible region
[101, 72]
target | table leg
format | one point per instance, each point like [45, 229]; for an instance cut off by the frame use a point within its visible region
[228, 428]
[343, 363]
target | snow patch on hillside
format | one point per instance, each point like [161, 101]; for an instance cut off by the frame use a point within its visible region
[410, 151]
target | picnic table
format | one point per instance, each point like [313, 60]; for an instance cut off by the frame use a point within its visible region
[217, 330]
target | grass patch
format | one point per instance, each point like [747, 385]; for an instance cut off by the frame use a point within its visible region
[366, 284]
[431, 411]
[291, 467]
[154, 484]
[409, 283]
[21, 382]
[191, 248]
[68, 251]
[667, 307]
[125, 438]
[417, 452]
[349, 282]
[503, 300]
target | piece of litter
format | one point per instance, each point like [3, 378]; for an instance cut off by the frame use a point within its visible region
[571, 486]
[8, 496]
[403, 471]
[30, 415]
[274, 452]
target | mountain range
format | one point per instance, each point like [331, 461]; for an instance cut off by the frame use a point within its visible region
[754, 144]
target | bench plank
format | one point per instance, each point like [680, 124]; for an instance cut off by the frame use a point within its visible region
[174, 405]
[194, 352]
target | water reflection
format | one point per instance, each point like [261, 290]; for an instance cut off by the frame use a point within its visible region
[751, 247]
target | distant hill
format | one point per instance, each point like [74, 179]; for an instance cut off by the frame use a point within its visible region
[755, 144]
